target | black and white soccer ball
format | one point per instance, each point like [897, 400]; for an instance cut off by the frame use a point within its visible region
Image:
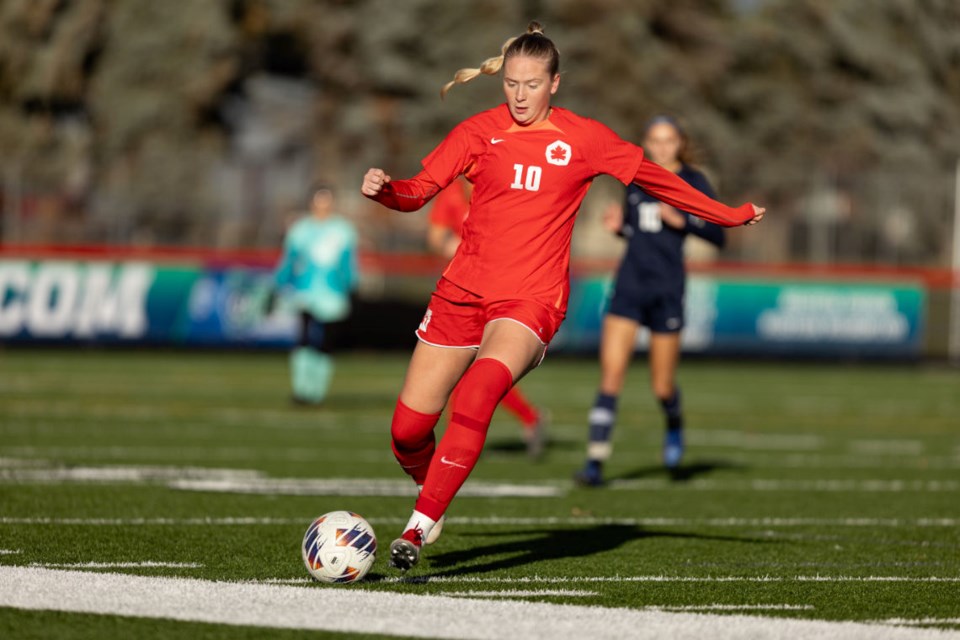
[339, 546]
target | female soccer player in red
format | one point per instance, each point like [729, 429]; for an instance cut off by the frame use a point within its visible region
[447, 213]
[503, 296]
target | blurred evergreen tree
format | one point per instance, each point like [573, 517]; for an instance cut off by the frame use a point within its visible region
[834, 113]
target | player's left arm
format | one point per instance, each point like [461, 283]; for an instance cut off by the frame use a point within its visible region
[690, 223]
[668, 187]
[626, 162]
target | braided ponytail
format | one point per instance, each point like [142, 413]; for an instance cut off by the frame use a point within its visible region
[533, 43]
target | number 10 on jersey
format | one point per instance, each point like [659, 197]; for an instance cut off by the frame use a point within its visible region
[529, 179]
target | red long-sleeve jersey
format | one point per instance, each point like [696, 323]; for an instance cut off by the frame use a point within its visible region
[529, 183]
[451, 206]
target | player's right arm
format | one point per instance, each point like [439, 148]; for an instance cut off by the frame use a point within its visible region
[373, 182]
[447, 161]
[400, 195]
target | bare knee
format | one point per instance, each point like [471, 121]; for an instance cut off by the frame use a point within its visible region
[663, 389]
[612, 379]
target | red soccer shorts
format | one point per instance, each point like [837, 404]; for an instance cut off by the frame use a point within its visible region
[456, 318]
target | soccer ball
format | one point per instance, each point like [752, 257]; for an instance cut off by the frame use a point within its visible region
[339, 546]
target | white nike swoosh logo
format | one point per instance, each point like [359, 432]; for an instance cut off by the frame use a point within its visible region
[496, 140]
[444, 460]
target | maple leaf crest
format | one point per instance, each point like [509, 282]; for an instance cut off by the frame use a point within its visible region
[558, 153]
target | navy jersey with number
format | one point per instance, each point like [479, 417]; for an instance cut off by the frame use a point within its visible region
[653, 261]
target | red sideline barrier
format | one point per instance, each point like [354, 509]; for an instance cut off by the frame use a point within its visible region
[409, 264]
[416, 264]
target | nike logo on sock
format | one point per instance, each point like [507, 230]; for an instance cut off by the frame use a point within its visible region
[444, 460]
[496, 140]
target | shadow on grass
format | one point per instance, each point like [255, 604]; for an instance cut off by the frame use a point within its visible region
[549, 544]
[506, 445]
[517, 445]
[683, 473]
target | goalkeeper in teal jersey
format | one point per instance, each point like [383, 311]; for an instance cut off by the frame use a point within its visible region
[317, 273]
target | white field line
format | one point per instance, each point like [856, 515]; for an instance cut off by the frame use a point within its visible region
[147, 564]
[846, 461]
[776, 485]
[660, 578]
[379, 456]
[278, 606]
[707, 522]
[123, 474]
[523, 593]
[6, 463]
[10, 552]
[732, 607]
[150, 522]
[887, 447]
[112, 415]
[359, 487]
[508, 522]
[46, 409]
[535, 580]
[918, 622]
[249, 481]
[755, 441]
[286, 581]
[180, 452]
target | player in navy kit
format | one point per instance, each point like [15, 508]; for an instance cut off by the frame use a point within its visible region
[648, 291]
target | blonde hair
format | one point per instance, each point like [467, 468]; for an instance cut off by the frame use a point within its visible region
[533, 43]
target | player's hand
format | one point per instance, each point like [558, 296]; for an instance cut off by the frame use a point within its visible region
[450, 246]
[373, 182]
[757, 214]
[671, 217]
[613, 217]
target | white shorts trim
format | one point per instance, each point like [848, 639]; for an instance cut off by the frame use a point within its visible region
[475, 347]
[543, 353]
[522, 325]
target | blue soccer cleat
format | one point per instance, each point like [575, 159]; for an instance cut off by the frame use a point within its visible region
[591, 475]
[672, 448]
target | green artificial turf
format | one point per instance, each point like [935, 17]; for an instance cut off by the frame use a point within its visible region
[831, 486]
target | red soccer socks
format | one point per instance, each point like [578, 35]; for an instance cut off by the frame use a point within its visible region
[480, 391]
[413, 440]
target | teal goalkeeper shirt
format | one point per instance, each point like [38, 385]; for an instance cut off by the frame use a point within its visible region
[318, 268]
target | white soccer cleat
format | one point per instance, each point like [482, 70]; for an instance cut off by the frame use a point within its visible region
[435, 532]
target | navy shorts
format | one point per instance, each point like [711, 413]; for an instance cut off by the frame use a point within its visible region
[662, 312]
